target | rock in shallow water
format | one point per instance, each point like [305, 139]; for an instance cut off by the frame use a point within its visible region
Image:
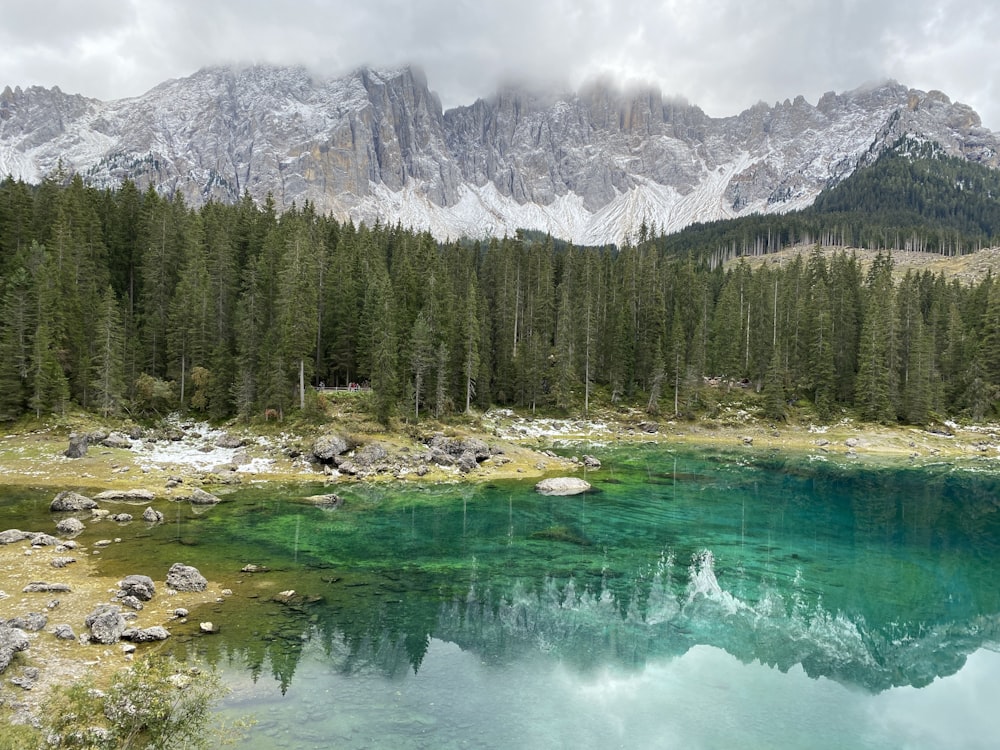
[562, 486]
[182, 577]
[106, 623]
[69, 501]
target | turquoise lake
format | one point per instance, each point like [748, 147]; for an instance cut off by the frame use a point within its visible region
[691, 600]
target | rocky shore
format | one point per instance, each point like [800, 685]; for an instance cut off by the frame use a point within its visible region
[62, 620]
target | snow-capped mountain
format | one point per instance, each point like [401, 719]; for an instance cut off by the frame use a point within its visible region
[588, 166]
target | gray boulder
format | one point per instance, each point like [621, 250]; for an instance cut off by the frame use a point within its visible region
[182, 577]
[121, 517]
[146, 635]
[467, 462]
[141, 587]
[77, 446]
[30, 623]
[44, 540]
[12, 536]
[44, 587]
[131, 602]
[562, 486]
[12, 640]
[198, 496]
[126, 495]
[328, 447]
[61, 562]
[106, 623]
[70, 501]
[591, 462]
[371, 455]
[230, 441]
[150, 515]
[456, 447]
[117, 440]
[70, 526]
[64, 632]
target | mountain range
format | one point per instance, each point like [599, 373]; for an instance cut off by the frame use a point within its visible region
[588, 166]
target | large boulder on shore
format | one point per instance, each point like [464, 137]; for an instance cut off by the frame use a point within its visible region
[328, 447]
[12, 640]
[182, 577]
[562, 486]
[106, 623]
[77, 445]
[12, 536]
[68, 500]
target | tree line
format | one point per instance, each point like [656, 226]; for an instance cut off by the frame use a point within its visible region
[128, 302]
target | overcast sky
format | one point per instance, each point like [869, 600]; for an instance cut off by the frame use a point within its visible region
[723, 55]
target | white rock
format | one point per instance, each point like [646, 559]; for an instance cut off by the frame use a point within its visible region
[562, 486]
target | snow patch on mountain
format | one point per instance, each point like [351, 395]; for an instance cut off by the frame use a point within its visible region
[375, 145]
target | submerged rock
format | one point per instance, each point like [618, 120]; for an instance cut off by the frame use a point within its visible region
[562, 486]
[329, 500]
[561, 534]
[127, 495]
[198, 496]
[70, 526]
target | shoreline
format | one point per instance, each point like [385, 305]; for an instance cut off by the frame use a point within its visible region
[35, 460]
[520, 448]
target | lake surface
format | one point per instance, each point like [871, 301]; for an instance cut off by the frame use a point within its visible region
[692, 600]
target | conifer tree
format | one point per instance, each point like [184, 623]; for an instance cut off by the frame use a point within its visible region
[17, 310]
[878, 378]
[422, 357]
[470, 342]
[108, 364]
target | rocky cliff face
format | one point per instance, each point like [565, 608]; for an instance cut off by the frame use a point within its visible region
[588, 166]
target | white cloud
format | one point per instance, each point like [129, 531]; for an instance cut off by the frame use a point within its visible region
[723, 55]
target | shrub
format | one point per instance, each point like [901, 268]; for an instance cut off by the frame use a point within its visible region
[155, 705]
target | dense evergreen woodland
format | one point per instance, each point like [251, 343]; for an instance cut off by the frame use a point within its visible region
[129, 303]
[911, 197]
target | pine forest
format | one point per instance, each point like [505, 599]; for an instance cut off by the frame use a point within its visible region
[132, 304]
